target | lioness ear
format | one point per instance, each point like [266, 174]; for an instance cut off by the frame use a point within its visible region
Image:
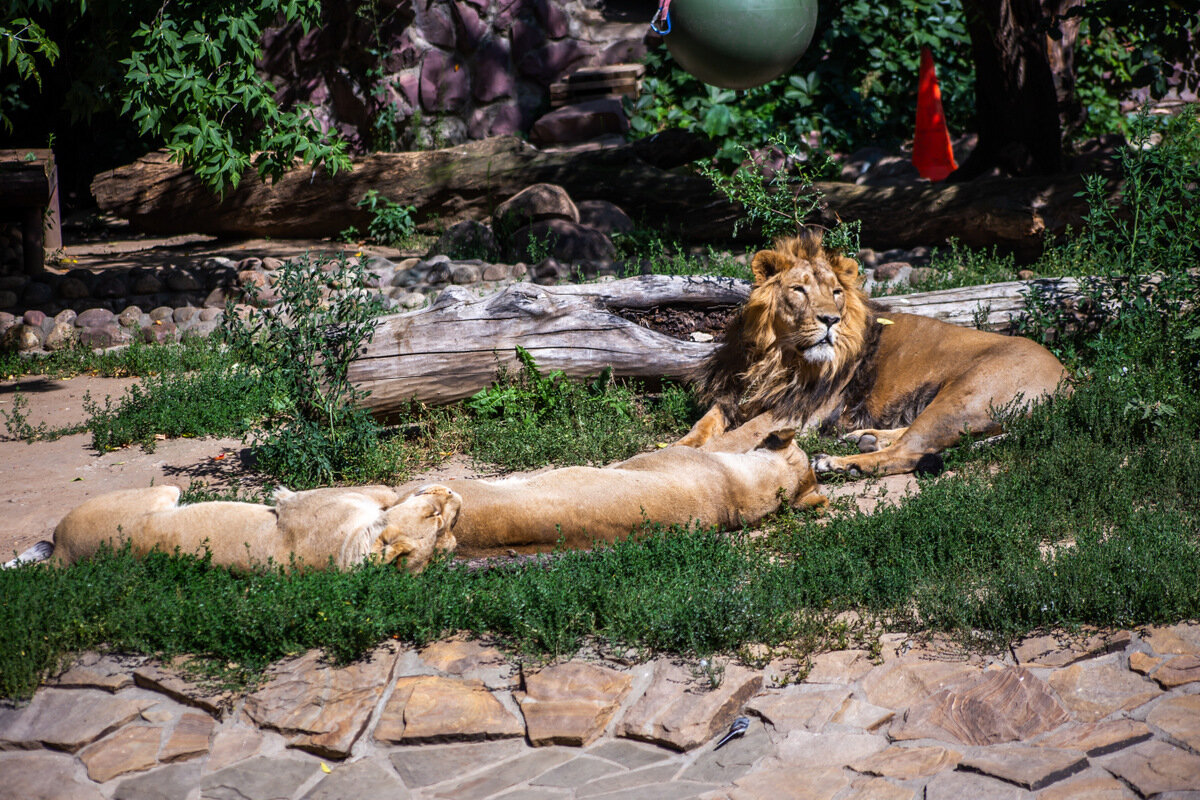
[777, 440]
[767, 263]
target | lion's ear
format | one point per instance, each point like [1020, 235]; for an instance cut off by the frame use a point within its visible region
[778, 440]
[767, 263]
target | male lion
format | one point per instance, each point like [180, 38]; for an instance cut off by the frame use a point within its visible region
[578, 506]
[345, 525]
[810, 350]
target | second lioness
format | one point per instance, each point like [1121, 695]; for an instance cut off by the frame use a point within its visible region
[577, 506]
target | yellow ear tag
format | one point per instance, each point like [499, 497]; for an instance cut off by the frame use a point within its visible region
[883, 321]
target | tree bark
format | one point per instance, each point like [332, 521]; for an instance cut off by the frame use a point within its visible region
[468, 181]
[453, 349]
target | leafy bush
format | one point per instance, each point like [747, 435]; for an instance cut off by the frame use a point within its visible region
[391, 223]
[531, 419]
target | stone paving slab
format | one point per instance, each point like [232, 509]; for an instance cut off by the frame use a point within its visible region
[915, 727]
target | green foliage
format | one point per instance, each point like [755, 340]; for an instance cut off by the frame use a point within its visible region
[855, 85]
[531, 419]
[637, 248]
[391, 223]
[184, 74]
[138, 359]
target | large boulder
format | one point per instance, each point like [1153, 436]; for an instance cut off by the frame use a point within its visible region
[559, 239]
[541, 201]
[580, 122]
[467, 239]
[604, 216]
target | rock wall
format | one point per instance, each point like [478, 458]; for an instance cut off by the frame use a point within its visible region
[418, 74]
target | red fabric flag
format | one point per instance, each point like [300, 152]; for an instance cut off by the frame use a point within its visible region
[932, 155]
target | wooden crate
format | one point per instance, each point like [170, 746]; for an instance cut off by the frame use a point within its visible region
[593, 83]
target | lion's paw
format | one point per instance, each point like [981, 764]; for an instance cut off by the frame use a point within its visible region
[822, 462]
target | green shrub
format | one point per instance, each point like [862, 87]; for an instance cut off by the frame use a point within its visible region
[391, 223]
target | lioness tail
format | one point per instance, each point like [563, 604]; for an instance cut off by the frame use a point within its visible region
[39, 552]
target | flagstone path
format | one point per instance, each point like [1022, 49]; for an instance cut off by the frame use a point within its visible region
[1113, 715]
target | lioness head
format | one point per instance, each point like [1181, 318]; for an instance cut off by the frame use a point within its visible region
[805, 303]
[417, 527]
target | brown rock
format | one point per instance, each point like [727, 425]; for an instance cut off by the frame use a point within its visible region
[604, 217]
[905, 681]
[560, 239]
[1003, 706]
[1178, 671]
[789, 784]
[41, 776]
[579, 122]
[793, 708]
[1179, 718]
[1183, 639]
[1142, 663]
[957, 785]
[678, 712]
[94, 671]
[819, 750]
[1094, 689]
[22, 338]
[858, 714]
[66, 719]
[1155, 767]
[1098, 738]
[131, 749]
[1062, 650]
[320, 708]
[876, 789]
[907, 763]
[473, 661]
[232, 745]
[572, 703]
[61, 336]
[189, 738]
[163, 679]
[538, 202]
[1031, 767]
[840, 666]
[1088, 786]
[427, 708]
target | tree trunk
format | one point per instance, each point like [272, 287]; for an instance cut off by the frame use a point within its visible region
[452, 349]
[1024, 85]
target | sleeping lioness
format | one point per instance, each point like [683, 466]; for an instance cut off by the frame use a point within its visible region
[578, 506]
[345, 525]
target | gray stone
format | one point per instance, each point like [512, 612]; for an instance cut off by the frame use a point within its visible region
[535, 203]
[362, 780]
[576, 772]
[797, 707]
[271, 263]
[35, 318]
[72, 289]
[37, 293]
[94, 318]
[41, 776]
[435, 25]
[8, 299]
[22, 338]
[497, 272]
[675, 790]
[179, 280]
[553, 19]
[210, 314]
[169, 783]
[558, 238]
[183, 314]
[1154, 767]
[962, 785]
[604, 217]
[219, 264]
[111, 285]
[66, 719]
[1095, 688]
[466, 239]
[94, 671]
[61, 336]
[260, 778]
[130, 317]
[252, 262]
[819, 750]
[579, 122]
[469, 27]
[161, 331]
[424, 766]
[680, 712]
[465, 274]
[571, 703]
[508, 774]
[630, 755]
[499, 119]
[1031, 767]
[647, 776]
[103, 337]
[733, 760]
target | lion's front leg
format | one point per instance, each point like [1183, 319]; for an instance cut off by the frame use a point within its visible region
[712, 424]
[888, 461]
[871, 439]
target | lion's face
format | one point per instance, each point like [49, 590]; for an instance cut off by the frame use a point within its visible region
[418, 526]
[805, 301]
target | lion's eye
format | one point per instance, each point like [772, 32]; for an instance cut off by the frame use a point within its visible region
[800, 289]
[837, 292]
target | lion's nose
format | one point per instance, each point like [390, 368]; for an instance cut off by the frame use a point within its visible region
[829, 319]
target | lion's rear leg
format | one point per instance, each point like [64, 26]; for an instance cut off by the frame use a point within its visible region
[871, 439]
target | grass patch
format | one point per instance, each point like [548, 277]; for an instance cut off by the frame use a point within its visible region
[194, 353]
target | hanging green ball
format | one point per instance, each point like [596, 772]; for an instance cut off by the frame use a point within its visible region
[738, 44]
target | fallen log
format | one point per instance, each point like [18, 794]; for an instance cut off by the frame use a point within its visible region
[469, 180]
[453, 348]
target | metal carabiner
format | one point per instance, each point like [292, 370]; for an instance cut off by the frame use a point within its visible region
[663, 14]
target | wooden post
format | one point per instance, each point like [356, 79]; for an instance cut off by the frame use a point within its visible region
[29, 187]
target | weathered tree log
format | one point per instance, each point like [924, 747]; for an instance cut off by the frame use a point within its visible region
[469, 180]
[452, 349]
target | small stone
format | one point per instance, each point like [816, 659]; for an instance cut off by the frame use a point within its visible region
[160, 332]
[1055, 651]
[95, 318]
[1096, 688]
[63, 335]
[72, 289]
[362, 779]
[179, 280]
[1031, 767]
[571, 703]
[1179, 718]
[677, 711]
[217, 298]
[1002, 706]
[901, 683]
[211, 314]
[907, 763]
[131, 749]
[183, 314]
[160, 679]
[168, 783]
[817, 750]
[464, 274]
[1094, 785]
[1142, 663]
[250, 263]
[93, 671]
[789, 782]
[961, 785]
[561, 239]
[541, 201]
[188, 739]
[270, 263]
[1098, 738]
[1178, 671]
[232, 745]
[471, 659]
[497, 272]
[507, 774]
[146, 283]
[1154, 767]
[67, 719]
[1181, 639]
[22, 338]
[130, 317]
[892, 270]
[1026, 274]
[423, 766]
[604, 216]
[104, 337]
[436, 709]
